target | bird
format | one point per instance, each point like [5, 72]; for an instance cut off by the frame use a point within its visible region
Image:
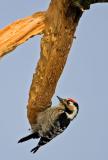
[52, 122]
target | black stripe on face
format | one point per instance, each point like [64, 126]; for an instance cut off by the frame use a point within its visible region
[76, 105]
[68, 110]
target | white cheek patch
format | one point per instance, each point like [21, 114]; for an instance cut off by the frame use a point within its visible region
[71, 103]
[72, 115]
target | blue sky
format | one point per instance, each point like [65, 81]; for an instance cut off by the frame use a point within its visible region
[85, 78]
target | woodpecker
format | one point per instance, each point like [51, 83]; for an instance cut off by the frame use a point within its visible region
[52, 122]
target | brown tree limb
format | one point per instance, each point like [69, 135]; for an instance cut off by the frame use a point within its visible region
[20, 31]
[61, 22]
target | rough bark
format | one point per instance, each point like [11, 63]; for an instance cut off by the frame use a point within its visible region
[61, 21]
[20, 31]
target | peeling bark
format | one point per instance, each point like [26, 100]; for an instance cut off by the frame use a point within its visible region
[20, 31]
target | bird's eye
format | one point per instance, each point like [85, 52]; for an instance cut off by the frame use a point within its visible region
[69, 103]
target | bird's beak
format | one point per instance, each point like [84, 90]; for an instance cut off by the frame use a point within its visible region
[60, 99]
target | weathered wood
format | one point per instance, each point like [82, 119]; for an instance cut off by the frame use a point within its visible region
[20, 31]
[61, 23]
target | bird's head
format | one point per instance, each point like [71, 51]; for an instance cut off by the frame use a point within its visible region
[71, 107]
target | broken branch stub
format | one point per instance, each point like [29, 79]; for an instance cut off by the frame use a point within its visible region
[20, 31]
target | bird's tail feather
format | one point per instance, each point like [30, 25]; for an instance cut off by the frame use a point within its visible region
[42, 142]
[33, 135]
[34, 150]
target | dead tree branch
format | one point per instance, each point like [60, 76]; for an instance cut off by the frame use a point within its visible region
[20, 31]
[61, 23]
[58, 24]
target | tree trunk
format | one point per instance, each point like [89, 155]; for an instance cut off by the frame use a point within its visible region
[58, 24]
[61, 22]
